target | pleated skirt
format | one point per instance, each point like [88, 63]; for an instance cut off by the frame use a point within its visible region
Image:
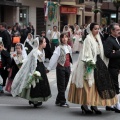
[88, 96]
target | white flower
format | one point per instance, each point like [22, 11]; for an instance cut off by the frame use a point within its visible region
[23, 60]
[80, 39]
[37, 73]
[74, 37]
[30, 74]
[26, 48]
[33, 83]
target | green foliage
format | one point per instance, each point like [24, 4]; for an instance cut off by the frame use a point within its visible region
[33, 78]
[89, 66]
[96, 10]
[19, 65]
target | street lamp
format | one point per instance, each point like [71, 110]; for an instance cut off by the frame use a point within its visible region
[117, 5]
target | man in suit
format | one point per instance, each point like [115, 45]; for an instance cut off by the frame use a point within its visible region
[112, 51]
[6, 38]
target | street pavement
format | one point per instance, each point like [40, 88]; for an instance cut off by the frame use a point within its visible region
[19, 109]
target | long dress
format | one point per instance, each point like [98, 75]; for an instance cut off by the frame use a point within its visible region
[77, 45]
[87, 94]
[41, 92]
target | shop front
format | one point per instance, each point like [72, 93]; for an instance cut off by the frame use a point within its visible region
[68, 15]
[8, 10]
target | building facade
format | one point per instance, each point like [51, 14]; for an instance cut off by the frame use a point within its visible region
[23, 11]
[68, 12]
[109, 12]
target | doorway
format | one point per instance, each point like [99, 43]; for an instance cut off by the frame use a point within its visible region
[24, 15]
[2, 13]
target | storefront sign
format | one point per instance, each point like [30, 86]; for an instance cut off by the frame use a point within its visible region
[68, 10]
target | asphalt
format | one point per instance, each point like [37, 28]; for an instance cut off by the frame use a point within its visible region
[19, 109]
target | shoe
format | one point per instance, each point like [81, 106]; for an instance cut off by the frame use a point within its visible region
[64, 105]
[37, 104]
[30, 102]
[95, 109]
[117, 111]
[57, 103]
[108, 108]
[1, 91]
[77, 52]
[86, 110]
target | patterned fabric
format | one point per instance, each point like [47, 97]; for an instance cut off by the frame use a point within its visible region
[88, 96]
[62, 57]
[103, 81]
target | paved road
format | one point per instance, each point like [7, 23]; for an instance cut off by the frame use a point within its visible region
[18, 109]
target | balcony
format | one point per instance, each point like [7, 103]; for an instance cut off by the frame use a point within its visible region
[92, 2]
[68, 2]
[10, 3]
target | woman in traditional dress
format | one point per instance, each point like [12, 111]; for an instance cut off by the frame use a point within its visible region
[91, 83]
[31, 81]
[78, 39]
[28, 44]
[18, 58]
[68, 32]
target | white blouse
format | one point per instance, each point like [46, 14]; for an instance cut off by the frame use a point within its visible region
[55, 56]
[41, 55]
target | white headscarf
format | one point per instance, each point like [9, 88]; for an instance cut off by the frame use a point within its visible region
[64, 30]
[30, 42]
[36, 43]
[24, 54]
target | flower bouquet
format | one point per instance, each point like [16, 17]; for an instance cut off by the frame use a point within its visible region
[26, 48]
[80, 40]
[74, 38]
[89, 66]
[33, 79]
[19, 65]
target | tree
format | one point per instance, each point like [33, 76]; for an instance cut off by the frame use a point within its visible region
[117, 5]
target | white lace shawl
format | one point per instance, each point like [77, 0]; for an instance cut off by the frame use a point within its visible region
[88, 52]
[30, 42]
[27, 68]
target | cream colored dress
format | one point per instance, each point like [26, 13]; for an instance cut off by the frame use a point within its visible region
[88, 95]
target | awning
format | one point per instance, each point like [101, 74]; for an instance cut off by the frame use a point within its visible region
[10, 3]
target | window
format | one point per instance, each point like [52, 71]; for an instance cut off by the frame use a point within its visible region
[23, 16]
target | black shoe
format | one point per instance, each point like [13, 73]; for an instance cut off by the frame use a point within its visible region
[37, 104]
[30, 103]
[108, 108]
[64, 105]
[86, 110]
[77, 52]
[57, 103]
[1, 91]
[95, 109]
[117, 111]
